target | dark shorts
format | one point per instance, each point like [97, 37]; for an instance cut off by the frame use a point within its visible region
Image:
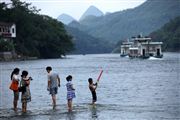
[16, 95]
[94, 97]
[53, 91]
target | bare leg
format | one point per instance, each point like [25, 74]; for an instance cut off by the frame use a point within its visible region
[15, 102]
[54, 101]
[70, 105]
[93, 103]
[23, 107]
[15, 105]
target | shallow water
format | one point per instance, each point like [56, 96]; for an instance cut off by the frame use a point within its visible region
[131, 89]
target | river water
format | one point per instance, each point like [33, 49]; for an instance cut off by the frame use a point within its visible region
[129, 89]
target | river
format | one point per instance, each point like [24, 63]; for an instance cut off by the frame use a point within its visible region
[129, 89]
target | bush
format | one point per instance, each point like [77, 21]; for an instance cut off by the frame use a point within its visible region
[6, 45]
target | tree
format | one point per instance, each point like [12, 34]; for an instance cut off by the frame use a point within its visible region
[37, 35]
[169, 34]
[6, 45]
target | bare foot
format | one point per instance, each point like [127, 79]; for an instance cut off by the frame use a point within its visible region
[15, 109]
[54, 107]
[69, 110]
[24, 111]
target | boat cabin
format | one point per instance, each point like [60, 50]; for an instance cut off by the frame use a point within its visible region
[141, 47]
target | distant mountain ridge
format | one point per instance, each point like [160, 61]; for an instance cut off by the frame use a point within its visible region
[65, 18]
[149, 16]
[86, 44]
[91, 11]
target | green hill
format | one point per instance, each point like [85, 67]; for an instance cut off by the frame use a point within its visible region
[86, 44]
[169, 34]
[37, 35]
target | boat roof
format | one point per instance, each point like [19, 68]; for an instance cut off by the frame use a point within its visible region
[153, 43]
[133, 48]
[127, 43]
[141, 39]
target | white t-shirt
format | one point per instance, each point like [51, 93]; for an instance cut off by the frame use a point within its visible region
[15, 77]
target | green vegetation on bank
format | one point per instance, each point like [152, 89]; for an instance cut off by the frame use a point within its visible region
[6, 45]
[37, 35]
[169, 34]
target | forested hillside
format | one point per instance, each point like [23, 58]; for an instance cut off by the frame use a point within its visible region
[37, 35]
[86, 44]
[169, 34]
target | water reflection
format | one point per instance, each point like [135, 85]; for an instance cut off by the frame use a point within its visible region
[70, 116]
[94, 114]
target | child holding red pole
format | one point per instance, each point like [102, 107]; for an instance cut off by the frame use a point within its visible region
[92, 87]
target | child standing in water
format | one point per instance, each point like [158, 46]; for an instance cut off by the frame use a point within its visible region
[70, 92]
[92, 88]
[15, 79]
[26, 95]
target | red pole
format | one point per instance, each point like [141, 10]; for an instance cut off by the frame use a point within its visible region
[99, 75]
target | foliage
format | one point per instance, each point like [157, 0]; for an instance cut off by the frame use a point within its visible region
[169, 34]
[37, 35]
[6, 45]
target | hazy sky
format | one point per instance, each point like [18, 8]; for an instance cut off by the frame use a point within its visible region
[76, 8]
